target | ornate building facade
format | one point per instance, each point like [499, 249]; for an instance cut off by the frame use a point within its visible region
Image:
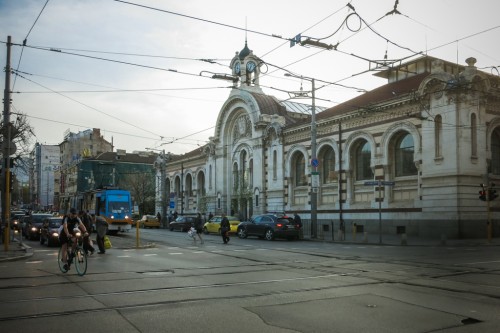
[407, 157]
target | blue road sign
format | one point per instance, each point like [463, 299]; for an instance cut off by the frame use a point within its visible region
[315, 162]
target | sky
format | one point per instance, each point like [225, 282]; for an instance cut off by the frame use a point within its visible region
[141, 70]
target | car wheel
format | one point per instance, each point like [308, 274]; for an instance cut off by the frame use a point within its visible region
[242, 233]
[269, 235]
[205, 231]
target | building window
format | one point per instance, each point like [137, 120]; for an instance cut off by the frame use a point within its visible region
[495, 152]
[300, 170]
[210, 176]
[327, 164]
[235, 176]
[438, 135]
[403, 156]
[473, 134]
[251, 172]
[362, 160]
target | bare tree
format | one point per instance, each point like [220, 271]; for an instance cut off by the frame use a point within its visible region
[142, 187]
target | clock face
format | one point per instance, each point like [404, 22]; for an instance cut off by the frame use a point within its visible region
[237, 68]
[251, 66]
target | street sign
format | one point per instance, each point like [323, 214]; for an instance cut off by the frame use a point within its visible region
[315, 180]
[371, 183]
[315, 162]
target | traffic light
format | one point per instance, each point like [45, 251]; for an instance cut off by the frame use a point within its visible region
[482, 195]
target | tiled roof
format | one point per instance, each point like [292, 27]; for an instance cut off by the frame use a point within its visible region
[383, 93]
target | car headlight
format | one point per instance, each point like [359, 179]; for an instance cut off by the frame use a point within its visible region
[34, 229]
[55, 234]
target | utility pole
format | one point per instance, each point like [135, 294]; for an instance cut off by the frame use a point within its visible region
[314, 163]
[6, 146]
[164, 219]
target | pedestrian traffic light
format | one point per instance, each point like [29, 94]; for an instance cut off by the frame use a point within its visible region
[482, 195]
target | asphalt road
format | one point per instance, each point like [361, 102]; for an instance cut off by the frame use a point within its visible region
[252, 285]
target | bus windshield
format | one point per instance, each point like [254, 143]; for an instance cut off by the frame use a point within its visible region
[118, 207]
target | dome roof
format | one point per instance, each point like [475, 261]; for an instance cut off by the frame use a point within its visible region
[243, 53]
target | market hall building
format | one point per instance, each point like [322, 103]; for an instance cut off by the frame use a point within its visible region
[430, 137]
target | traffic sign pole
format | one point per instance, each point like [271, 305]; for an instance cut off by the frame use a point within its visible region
[379, 184]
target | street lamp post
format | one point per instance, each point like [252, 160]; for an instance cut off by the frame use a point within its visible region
[314, 161]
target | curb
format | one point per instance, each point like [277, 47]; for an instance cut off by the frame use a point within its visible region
[28, 252]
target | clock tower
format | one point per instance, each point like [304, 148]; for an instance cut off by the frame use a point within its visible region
[246, 66]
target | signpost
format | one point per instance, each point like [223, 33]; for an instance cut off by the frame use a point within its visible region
[379, 184]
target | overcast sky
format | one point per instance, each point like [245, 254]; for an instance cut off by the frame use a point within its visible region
[133, 68]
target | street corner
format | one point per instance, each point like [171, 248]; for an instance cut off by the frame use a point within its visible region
[16, 252]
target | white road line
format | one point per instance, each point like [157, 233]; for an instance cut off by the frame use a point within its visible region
[123, 256]
[173, 253]
[150, 254]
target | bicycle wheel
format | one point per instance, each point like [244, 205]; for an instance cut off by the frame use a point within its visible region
[80, 261]
[59, 261]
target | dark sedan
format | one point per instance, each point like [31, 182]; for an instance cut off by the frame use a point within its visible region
[32, 225]
[182, 223]
[50, 231]
[268, 226]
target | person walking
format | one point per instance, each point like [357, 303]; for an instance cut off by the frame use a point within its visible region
[87, 222]
[298, 222]
[101, 228]
[198, 225]
[225, 227]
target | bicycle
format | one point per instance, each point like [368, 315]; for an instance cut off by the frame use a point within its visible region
[78, 254]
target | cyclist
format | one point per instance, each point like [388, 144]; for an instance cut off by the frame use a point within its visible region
[70, 223]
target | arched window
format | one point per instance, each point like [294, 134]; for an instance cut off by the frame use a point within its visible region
[300, 170]
[473, 134]
[495, 152]
[403, 155]
[275, 163]
[438, 135]
[235, 176]
[327, 163]
[363, 157]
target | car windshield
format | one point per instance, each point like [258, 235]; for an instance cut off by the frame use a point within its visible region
[38, 218]
[55, 223]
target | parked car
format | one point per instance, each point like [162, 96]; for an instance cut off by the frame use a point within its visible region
[50, 230]
[149, 221]
[213, 225]
[32, 225]
[182, 223]
[268, 226]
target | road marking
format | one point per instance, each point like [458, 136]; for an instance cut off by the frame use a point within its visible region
[34, 262]
[479, 262]
[173, 253]
[240, 250]
[123, 256]
[198, 252]
[150, 254]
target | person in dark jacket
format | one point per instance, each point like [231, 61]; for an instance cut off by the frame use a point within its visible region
[87, 222]
[298, 221]
[101, 228]
[225, 227]
[198, 225]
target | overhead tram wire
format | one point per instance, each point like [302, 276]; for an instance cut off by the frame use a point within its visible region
[25, 40]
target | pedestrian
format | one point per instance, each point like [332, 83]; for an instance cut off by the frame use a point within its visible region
[225, 227]
[101, 230]
[198, 225]
[210, 215]
[298, 222]
[87, 242]
[175, 215]
[158, 216]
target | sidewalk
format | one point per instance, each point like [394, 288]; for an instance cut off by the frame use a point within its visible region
[16, 251]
